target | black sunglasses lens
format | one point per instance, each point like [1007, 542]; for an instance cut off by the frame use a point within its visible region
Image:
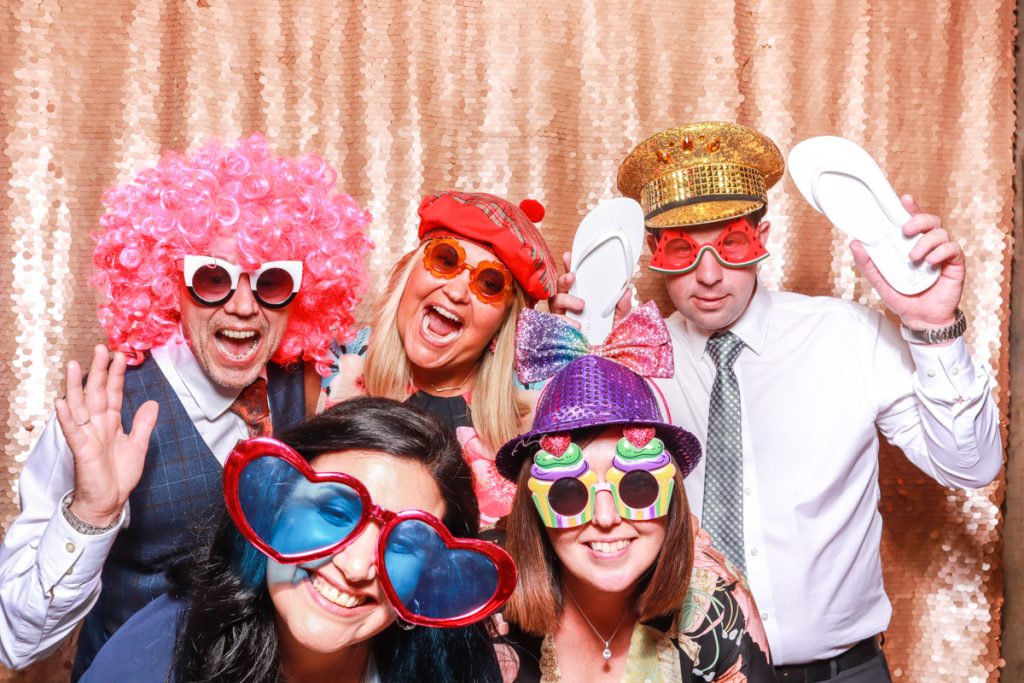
[274, 286]
[211, 283]
[568, 496]
[435, 581]
[638, 489]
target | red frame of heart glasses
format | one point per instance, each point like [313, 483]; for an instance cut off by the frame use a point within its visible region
[250, 449]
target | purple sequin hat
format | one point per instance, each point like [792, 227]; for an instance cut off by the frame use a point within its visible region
[592, 391]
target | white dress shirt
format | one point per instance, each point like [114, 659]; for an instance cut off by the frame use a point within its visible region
[819, 379]
[50, 573]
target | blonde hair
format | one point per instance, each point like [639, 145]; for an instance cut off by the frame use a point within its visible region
[497, 410]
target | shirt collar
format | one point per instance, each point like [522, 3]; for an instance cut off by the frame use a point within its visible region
[752, 326]
[213, 400]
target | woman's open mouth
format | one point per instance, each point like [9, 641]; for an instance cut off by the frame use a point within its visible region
[335, 596]
[336, 601]
[440, 326]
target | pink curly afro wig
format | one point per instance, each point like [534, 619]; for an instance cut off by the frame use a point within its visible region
[277, 208]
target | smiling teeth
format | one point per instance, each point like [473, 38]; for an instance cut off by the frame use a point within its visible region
[608, 547]
[240, 337]
[429, 334]
[333, 595]
[446, 314]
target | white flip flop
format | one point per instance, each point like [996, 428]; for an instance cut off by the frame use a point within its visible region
[841, 180]
[605, 252]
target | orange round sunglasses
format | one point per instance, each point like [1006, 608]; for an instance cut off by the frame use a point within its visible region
[490, 281]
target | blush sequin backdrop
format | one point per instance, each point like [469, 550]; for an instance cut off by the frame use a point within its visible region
[527, 98]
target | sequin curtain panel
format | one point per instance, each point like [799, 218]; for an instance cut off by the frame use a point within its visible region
[538, 98]
[1013, 538]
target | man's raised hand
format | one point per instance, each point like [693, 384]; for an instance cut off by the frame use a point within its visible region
[108, 462]
[936, 306]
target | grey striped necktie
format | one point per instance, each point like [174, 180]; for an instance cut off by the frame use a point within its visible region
[723, 474]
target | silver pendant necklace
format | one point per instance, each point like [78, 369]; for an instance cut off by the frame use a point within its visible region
[607, 654]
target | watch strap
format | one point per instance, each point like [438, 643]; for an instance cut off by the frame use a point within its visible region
[84, 527]
[937, 335]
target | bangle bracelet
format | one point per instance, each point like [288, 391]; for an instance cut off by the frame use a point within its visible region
[84, 527]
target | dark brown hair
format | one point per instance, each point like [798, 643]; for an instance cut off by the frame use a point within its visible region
[227, 631]
[537, 603]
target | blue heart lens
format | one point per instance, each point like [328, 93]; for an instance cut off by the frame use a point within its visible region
[432, 580]
[293, 515]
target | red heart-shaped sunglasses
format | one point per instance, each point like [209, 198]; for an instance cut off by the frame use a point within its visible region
[294, 514]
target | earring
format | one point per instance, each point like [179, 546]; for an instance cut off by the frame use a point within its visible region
[404, 625]
[493, 346]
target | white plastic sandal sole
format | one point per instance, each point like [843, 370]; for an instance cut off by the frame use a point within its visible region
[605, 251]
[841, 181]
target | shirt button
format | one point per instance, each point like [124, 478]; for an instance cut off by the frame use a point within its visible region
[764, 616]
[931, 373]
[70, 547]
[753, 552]
[956, 371]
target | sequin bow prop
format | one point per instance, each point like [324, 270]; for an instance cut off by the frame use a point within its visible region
[546, 343]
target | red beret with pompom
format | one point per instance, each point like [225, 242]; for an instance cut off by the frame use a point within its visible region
[504, 228]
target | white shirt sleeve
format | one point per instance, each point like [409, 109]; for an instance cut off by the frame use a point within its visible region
[947, 423]
[49, 573]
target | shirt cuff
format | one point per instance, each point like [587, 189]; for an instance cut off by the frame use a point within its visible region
[944, 371]
[69, 557]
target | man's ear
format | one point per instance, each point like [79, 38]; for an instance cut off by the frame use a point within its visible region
[763, 228]
[652, 241]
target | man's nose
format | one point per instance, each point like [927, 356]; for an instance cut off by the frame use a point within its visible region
[709, 270]
[242, 303]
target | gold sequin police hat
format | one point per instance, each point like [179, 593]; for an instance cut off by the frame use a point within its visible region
[700, 173]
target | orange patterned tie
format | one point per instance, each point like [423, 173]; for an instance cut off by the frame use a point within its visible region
[251, 406]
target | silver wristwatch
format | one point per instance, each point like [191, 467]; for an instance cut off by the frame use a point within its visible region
[84, 527]
[937, 335]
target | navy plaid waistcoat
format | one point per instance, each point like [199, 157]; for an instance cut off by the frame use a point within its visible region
[180, 492]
